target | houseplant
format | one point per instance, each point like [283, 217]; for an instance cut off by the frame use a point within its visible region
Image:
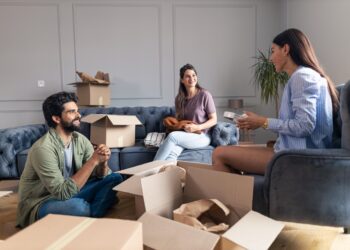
[267, 79]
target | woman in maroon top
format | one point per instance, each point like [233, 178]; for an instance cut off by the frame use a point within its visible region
[191, 103]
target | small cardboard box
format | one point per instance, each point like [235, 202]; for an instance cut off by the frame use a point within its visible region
[71, 232]
[133, 184]
[115, 131]
[162, 193]
[93, 93]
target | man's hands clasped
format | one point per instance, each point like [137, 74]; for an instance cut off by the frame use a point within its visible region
[101, 154]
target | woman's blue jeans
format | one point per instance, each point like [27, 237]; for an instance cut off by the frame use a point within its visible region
[93, 200]
[177, 141]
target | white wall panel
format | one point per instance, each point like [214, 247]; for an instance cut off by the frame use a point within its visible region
[30, 51]
[123, 40]
[220, 40]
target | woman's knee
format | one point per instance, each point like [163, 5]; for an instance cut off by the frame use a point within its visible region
[218, 153]
[174, 136]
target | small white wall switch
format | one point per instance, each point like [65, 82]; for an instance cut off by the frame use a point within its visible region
[41, 83]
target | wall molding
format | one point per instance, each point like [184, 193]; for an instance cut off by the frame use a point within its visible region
[157, 7]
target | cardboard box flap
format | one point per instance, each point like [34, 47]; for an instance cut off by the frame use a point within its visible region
[254, 231]
[162, 192]
[131, 186]
[147, 168]
[163, 234]
[92, 118]
[124, 120]
[114, 119]
[191, 164]
[88, 83]
[235, 191]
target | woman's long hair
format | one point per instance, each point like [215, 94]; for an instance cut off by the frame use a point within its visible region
[182, 94]
[302, 53]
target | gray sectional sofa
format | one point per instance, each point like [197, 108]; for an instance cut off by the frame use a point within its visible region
[16, 142]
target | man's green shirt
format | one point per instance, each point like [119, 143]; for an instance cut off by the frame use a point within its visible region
[42, 177]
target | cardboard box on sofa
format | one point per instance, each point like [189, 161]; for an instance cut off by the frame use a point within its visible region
[113, 130]
[162, 193]
[93, 93]
[72, 232]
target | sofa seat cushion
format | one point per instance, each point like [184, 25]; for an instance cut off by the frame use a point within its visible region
[202, 155]
[136, 155]
[113, 161]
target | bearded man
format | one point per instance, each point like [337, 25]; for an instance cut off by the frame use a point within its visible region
[63, 173]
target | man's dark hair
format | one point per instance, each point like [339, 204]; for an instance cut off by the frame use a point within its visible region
[53, 105]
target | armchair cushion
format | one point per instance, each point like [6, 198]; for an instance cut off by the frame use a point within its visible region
[345, 116]
[309, 186]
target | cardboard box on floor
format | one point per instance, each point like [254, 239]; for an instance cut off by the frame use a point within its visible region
[113, 130]
[162, 193]
[72, 232]
[93, 93]
[133, 184]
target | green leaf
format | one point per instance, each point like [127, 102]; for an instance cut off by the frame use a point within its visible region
[266, 78]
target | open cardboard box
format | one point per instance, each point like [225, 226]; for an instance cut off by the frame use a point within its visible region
[93, 93]
[162, 193]
[133, 184]
[72, 232]
[113, 130]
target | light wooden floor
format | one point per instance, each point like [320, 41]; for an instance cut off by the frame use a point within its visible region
[293, 237]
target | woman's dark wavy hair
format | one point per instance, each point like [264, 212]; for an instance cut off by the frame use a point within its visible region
[182, 94]
[302, 53]
[53, 105]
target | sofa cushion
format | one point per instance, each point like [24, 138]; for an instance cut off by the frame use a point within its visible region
[224, 133]
[202, 155]
[136, 155]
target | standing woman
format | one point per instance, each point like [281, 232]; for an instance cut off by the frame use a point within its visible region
[306, 112]
[191, 103]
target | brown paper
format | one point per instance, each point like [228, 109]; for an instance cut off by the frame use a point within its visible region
[208, 215]
[100, 77]
[180, 169]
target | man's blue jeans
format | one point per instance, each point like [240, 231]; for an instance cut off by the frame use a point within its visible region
[93, 200]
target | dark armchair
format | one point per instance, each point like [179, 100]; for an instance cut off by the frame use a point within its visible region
[313, 186]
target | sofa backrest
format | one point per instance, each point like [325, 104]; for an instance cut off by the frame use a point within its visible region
[13, 141]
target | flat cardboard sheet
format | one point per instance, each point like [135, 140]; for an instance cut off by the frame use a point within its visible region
[254, 226]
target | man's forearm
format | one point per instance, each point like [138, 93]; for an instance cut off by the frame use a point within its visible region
[102, 169]
[81, 177]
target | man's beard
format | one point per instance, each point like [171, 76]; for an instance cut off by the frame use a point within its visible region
[69, 127]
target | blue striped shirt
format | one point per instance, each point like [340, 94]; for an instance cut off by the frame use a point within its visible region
[305, 115]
